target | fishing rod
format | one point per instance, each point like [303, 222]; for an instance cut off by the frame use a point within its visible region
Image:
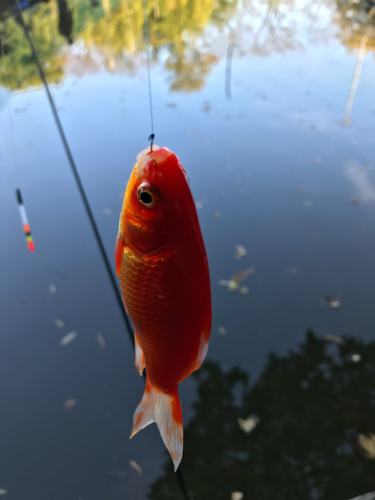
[80, 185]
[75, 173]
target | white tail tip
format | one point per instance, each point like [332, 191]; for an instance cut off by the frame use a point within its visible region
[164, 409]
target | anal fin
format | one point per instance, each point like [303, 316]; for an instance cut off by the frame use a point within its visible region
[202, 349]
[139, 356]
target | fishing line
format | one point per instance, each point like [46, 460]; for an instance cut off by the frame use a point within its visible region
[151, 138]
[21, 206]
[6, 84]
[75, 173]
[147, 34]
[14, 62]
[80, 186]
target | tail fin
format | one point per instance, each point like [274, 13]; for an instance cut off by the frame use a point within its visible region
[164, 409]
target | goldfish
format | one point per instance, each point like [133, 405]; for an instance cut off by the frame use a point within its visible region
[162, 265]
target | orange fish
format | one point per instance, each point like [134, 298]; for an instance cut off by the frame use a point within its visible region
[162, 265]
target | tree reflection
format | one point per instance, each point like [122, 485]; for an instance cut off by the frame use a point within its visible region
[189, 68]
[356, 19]
[312, 405]
[65, 20]
[17, 67]
[189, 36]
[112, 30]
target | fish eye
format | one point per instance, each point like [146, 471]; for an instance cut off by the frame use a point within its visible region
[146, 194]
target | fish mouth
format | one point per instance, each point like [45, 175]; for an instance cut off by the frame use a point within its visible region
[144, 157]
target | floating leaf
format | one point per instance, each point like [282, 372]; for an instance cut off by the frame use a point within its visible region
[240, 252]
[248, 425]
[68, 338]
[70, 403]
[367, 445]
[135, 466]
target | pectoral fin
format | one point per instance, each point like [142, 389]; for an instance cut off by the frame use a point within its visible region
[119, 250]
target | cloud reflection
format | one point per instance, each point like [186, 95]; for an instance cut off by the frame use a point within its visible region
[359, 176]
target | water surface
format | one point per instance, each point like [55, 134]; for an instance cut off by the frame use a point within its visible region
[278, 142]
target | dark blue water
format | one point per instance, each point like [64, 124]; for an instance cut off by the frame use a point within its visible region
[272, 169]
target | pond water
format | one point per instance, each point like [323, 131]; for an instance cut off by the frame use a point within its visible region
[270, 108]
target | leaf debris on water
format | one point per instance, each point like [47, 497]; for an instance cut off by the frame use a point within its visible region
[367, 445]
[69, 404]
[100, 340]
[59, 323]
[240, 252]
[135, 466]
[206, 107]
[68, 338]
[236, 495]
[248, 424]
[333, 338]
[222, 330]
[333, 303]
[291, 271]
[233, 284]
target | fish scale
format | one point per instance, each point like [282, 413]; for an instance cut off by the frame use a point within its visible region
[141, 299]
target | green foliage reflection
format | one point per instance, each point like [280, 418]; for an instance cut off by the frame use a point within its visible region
[312, 405]
[17, 68]
[113, 29]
